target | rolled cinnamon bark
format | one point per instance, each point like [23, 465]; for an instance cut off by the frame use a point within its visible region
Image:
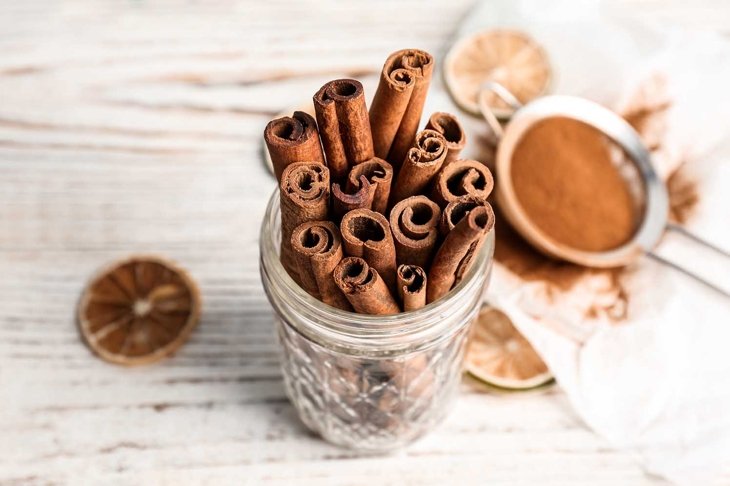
[317, 248]
[364, 288]
[456, 254]
[380, 174]
[360, 198]
[366, 234]
[415, 226]
[411, 287]
[456, 210]
[398, 103]
[344, 125]
[304, 194]
[420, 166]
[462, 178]
[292, 139]
[448, 126]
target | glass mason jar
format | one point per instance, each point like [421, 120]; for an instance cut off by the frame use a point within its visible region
[371, 383]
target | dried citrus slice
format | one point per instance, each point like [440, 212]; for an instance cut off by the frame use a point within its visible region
[500, 356]
[508, 57]
[138, 310]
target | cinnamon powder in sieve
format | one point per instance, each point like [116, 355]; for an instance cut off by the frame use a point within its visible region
[567, 184]
[560, 277]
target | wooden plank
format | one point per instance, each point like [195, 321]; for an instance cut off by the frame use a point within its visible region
[135, 127]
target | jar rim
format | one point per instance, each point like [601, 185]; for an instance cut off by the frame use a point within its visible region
[344, 323]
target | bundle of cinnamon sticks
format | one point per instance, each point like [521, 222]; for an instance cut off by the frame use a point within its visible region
[377, 216]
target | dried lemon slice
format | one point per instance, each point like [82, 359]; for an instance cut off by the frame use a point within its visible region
[138, 311]
[508, 57]
[500, 356]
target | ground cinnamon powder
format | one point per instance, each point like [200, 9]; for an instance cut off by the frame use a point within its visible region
[532, 266]
[683, 195]
[567, 184]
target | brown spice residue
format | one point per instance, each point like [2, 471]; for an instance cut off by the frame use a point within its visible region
[512, 251]
[649, 122]
[647, 109]
[567, 183]
[520, 258]
[683, 195]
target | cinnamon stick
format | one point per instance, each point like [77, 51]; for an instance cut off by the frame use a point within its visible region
[304, 194]
[462, 243]
[361, 197]
[455, 211]
[411, 287]
[448, 126]
[364, 288]
[462, 178]
[344, 125]
[317, 247]
[415, 226]
[366, 234]
[421, 164]
[417, 376]
[395, 113]
[380, 174]
[292, 139]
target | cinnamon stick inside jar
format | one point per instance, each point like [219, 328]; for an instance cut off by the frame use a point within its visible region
[455, 256]
[367, 234]
[395, 113]
[455, 211]
[462, 178]
[360, 198]
[304, 194]
[415, 226]
[344, 125]
[292, 139]
[448, 126]
[379, 173]
[364, 288]
[420, 166]
[411, 287]
[567, 181]
[317, 248]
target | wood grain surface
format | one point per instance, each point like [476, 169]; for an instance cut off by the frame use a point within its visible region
[136, 127]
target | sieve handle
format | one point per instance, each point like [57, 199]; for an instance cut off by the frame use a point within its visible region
[725, 255]
[505, 95]
[688, 234]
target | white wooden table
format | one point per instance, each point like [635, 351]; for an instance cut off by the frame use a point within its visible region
[135, 127]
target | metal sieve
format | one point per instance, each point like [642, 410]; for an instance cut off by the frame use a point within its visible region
[649, 191]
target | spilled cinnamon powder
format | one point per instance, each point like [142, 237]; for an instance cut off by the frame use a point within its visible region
[566, 181]
[512, 251]
[683, 195]
[649, 122]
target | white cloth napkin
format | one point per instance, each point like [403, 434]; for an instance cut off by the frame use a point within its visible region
[657, 384]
